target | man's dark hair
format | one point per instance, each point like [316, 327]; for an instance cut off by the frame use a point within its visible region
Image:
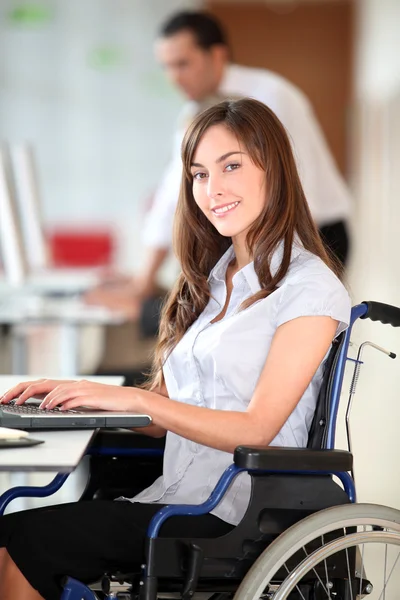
[206, 28]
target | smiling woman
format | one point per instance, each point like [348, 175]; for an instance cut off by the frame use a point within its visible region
[238, 163]
[222, 183]
[240, 356]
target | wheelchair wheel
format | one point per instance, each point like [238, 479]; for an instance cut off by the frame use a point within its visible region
[346, 552]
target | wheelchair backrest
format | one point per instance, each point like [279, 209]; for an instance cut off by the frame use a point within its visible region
[317, 437]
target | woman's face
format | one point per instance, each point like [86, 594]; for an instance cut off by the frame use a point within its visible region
[227, 186]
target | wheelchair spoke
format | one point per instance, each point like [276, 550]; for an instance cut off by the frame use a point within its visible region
[383, 592]
[297, 587]
[326, 573]
[362, 569]
[326, 590]
[384, 575]
[348, 568]
[362, 566]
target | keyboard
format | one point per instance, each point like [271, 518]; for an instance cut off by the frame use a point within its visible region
[33, 409]
[30, 416]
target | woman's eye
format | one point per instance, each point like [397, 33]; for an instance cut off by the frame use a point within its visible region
[199, 175]
[232, 166]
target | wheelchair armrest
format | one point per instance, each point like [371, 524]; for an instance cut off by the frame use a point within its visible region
[274, 458]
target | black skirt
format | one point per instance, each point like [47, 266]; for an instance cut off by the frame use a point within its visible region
[86, 539]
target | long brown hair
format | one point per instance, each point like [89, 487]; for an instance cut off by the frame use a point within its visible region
[199, 246]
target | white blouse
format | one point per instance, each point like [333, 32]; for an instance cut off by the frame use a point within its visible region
[218, 365]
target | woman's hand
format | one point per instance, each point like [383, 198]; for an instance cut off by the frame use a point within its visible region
[117, 298]
[69, 394]
[29, 389]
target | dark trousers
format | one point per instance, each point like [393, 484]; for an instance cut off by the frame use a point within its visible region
[86, 539]
[336, 238]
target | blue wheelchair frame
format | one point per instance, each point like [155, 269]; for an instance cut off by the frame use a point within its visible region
[74, 590]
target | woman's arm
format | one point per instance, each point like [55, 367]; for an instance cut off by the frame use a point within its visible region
[153, 430]
[297, 350]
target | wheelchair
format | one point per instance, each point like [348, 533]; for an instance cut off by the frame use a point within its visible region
[303, 536]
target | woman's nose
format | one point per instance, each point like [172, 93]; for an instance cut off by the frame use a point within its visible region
[214, 187]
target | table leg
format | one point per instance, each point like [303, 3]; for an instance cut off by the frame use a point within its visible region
[69, 349]
[18, 350]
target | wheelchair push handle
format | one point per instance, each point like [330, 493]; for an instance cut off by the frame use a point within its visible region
[385, 313]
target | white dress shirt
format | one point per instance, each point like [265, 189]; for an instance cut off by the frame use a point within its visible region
[324, 187]
[217, 365]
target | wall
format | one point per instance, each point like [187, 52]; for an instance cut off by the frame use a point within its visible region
[374, 273]
[79, 80]
[309, 43]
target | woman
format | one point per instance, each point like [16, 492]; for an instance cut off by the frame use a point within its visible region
[242, 340]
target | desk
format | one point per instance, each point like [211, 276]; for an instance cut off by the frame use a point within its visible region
[61, 452]
[48, 456]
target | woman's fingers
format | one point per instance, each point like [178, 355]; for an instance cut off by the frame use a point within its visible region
[87, 393]
[27, 389]
[34, 390]
[20, 389]
[64, 392]
[92, 402]
[70, 394]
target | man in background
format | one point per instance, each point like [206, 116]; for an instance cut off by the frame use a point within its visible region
[194, 52]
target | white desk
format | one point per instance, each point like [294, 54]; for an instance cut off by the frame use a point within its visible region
[48, 456]
[61, 452]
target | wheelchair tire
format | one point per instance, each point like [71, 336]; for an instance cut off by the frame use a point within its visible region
[384, 527]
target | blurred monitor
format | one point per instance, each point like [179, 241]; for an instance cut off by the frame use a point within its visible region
[29, 206]
[11, 243]
[40, 276]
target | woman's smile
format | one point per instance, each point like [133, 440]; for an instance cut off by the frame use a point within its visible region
[222, 210]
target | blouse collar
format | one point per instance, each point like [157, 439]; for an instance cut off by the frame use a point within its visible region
[218, 273]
